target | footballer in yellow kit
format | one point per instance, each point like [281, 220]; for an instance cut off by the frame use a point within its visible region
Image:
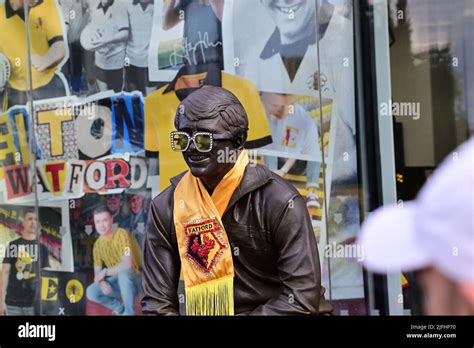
[47, 47]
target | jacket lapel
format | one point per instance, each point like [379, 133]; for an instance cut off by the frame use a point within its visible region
[255, 176]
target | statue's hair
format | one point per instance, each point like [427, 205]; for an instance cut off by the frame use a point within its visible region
[210, 102]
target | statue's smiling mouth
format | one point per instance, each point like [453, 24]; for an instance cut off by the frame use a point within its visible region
[197, 158]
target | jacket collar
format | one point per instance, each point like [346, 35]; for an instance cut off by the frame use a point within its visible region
[255, 176]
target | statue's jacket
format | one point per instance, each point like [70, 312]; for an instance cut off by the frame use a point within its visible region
[274, 250]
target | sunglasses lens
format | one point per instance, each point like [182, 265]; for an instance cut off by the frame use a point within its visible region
[180, 142]
[203, 142]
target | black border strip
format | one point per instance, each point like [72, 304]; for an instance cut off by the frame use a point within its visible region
[367, 139]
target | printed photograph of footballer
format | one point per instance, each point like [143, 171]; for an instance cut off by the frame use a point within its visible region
[117, 261]
[106, 35]
[20, 279]
[48, 50]
[186, 33]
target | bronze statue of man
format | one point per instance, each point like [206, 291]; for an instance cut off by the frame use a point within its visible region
[239, 235]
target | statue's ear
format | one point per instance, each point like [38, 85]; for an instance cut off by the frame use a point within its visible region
[240, 140]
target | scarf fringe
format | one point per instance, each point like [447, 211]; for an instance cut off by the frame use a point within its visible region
[215, 297]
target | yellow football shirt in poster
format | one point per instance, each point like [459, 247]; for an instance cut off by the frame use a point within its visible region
[46, 28]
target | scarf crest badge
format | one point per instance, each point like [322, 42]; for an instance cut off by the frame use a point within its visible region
[204, 244]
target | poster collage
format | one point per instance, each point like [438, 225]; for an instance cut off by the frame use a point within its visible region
[86, 118]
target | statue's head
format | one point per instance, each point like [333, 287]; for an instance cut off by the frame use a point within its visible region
[211, 128]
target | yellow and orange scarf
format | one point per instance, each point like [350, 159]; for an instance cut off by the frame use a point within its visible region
[204, 249]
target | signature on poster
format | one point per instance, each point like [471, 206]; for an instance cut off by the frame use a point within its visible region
[190, 52]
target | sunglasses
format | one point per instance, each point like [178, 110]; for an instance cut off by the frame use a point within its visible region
[203, 141]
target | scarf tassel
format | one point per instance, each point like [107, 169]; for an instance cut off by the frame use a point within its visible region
[215, 297]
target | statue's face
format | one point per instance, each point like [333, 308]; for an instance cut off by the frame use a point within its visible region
[213, 163]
